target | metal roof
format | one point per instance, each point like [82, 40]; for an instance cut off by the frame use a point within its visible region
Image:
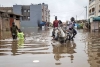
[14, 14]
[10, 13]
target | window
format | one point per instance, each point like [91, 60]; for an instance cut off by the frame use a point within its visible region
[28, 10]
[90, 11]
[93, 9]
[25, 11]
[24, 18]
[17, 17]
[28, 18]
[11, 16]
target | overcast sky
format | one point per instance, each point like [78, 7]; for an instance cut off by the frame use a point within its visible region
[64, 9]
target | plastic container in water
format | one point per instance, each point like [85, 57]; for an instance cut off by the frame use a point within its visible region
[43, 27]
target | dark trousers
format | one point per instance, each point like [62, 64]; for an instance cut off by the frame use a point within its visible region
[14, 36]
[53, 34]
[74, 33]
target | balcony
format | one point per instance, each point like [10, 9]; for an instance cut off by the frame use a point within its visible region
[92, 13]
[99, 11]
[91, 1]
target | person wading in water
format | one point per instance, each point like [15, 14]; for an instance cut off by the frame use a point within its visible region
[14, 30]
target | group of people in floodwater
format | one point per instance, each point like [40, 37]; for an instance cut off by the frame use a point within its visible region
[68, 27]
[15, 34]
[56, 24]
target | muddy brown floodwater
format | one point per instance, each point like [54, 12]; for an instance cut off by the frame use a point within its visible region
[37, 50]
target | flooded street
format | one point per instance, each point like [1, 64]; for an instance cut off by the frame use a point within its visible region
[37, 51]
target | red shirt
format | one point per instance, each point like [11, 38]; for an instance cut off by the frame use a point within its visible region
[55, 23]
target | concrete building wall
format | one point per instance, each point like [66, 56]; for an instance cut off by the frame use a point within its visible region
[48, 16]
[45, 13]
[35, 15]
[94, 8]
[17, 9]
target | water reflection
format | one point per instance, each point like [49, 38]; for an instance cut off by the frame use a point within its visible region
[14, 47]
[34, 31]
[36, 46]
[35, 43]
[5, 35]
[68, 48]
[20, 42]
[93, 49]
[39, 30]
[4, 48]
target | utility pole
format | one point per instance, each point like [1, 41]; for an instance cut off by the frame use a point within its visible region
[86, 12]
[76, 18]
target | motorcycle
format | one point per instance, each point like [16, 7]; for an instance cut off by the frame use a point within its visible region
[62, 35]
[69, 35]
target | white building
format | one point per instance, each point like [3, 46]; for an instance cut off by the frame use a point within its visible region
[45, 13]
[94, 8]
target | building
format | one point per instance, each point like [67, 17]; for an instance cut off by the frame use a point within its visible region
[6, 20]
[94, 15]
[6, 9]
[32, 14]
[94, 8]
[15, 18]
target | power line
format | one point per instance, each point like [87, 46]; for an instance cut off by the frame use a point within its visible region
[82, 13]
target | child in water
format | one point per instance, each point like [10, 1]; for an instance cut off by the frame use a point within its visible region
[20, 34]
[21, 37]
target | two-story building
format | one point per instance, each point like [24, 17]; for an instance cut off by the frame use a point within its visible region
[94, 8]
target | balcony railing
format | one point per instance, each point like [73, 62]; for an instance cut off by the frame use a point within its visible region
[91, 1]
[92, 13]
